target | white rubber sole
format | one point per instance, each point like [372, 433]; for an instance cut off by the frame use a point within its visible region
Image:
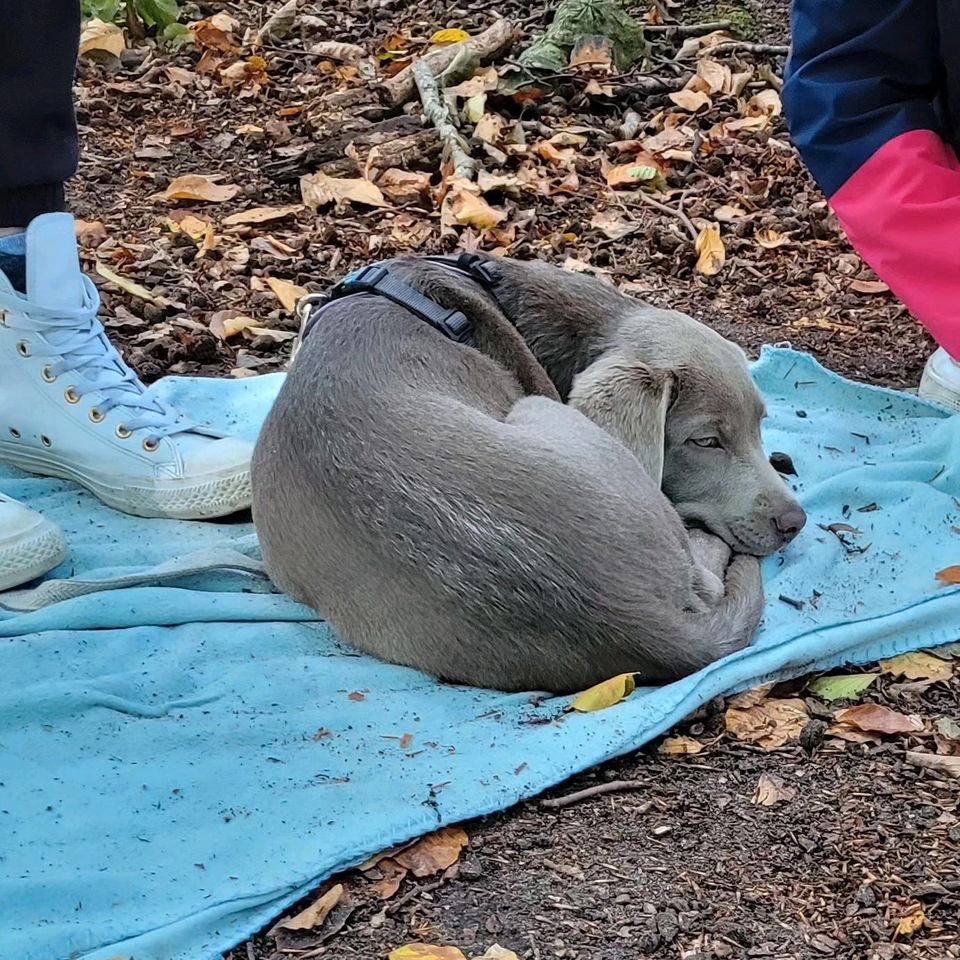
[31, 554]
[215, 495]
[940, 382]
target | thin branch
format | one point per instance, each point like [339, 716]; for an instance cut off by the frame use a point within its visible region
[688, 29]
[741, 46]
[614, 786]
[672, 211]
[437, 111]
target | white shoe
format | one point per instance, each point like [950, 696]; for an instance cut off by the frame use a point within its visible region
[70, 407]
[940, 382]
[29, 545]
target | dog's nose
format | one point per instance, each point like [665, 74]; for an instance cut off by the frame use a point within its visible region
[790, 522]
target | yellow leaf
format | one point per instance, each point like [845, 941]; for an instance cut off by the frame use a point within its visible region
[711, 250]
[106, 37]
[770, 239]
[315, 914]
[403, 184]
[911, 923]
[674, 746]
[286, 292]
[452, 35]
[248, 130]
[467, 208]
[261, 214]
[770, 723]
[496, 952]
[434, 852]
[225, 324]
[196, 187]
[604, 694]
[426, 951]
[474, 107]
[918, 665]
[691, 100]
[131, 287]
[771, 790]
[317, 190]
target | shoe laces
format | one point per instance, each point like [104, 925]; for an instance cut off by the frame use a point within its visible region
[78, 341]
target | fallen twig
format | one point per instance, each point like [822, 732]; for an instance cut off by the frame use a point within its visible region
[672, 211]
[688, 29]
[765, 72]
[437, 111]
[742, 46]
[614, 786]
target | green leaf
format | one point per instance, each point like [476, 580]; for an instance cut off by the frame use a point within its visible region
[105, 10]
[948, 650]
[845, 687]
[948, 728]
[157, 13]
[176, 35]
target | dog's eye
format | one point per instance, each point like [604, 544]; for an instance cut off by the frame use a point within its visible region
[705, 441]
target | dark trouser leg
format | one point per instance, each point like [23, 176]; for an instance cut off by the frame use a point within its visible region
[38, 132]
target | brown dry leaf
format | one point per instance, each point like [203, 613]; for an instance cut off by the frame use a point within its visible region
[691, 100]
[675, 746]
[711, 250]
[434, 852]
[317, 190]
[772, 790]
[770, 724]
[215, 33]
[751, 697]
[550, 153]
[935, 761]
[911, 923]
[490, 128]
[488, 182]
[261, 215]
[874, 718]
[949, 575]
[918, 665]
[869, 287]
[425, 951]
[131, 286]
[334, 50]
[764, 104]
[98, 36]
[612, 225]
[402, 184]
[483, 81]
[389, 883]
[193, 186]
[496, 952]
[592, 53]
[286, 292]
[467, 208]
[315, 914]
[716, 76]
[228, 323]
[770, 239]
[612, 691]
[90, 233]
[645, 168]
[728, 213]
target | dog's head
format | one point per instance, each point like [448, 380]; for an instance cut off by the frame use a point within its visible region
[681, 398]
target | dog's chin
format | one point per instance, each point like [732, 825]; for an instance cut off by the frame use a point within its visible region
[694, 516]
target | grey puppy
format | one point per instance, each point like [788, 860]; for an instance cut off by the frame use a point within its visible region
[443, 509]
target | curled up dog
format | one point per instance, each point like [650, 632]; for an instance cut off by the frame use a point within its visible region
[512, 512]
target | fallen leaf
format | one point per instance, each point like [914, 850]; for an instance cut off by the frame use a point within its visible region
[496, 952]
[389, 883]
[434, 852]
[845, 687]
[949, 575]
[130, 286]
[770, 239]
[935, 761]
[474, 108]
[317, 190]
[425, 951]
[192, 186]
[770, 723]
[716, 76]
[674, 746]
[633, 174]
[490, 128]
[100, 36]
[948, 728]
[405, 741]
[592, 52]
[483, 81]
[279, 24]
[550, 153]
[468, 208]
[356, 695]
[948, 650]
[612, 225]
[918, 665]
[691, 100]
[261, 214]
[728, 213]
[227, 323]
[286, 292]
[772, 790]
[869, 286]
[911, 923]
[450, 35]
[342, 52]
[711, 250]
[90, 233]
[210, 33]
[403, 184]
[839, 528]
[604, 694]
[766, 103]
[315, 914]
[874, 718]
[751, 697]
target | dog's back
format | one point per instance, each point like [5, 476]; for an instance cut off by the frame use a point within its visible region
[408, 490]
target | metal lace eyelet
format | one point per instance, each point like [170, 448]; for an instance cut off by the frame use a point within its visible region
[96, 416]
[47, 374]
[151, 445]
[15, 433]
[45, 440]
[22, 348]
[71, 395]
[122, 432]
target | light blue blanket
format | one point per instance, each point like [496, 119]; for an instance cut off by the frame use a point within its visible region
[180, 762]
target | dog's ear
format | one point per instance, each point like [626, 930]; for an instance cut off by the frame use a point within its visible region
[629, 400]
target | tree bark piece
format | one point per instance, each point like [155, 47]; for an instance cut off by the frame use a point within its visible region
[486, 46]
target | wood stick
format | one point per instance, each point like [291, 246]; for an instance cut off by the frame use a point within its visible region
[673, 211]
[741, 46]
[437, 111]
[487, 45]
[614, 786]
[688, 29]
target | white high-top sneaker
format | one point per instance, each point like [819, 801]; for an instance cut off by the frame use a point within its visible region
[29, 545]
[70, 407]
[940, 382]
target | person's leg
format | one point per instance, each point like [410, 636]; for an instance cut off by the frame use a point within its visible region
[69, 405]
